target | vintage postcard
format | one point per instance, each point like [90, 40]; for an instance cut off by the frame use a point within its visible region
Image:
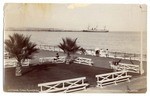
[75, 48]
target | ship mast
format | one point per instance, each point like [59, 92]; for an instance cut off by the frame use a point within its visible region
[96, 27]
[88, 27]
[105, 27]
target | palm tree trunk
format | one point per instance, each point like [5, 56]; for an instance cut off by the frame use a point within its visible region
[18, 69]
[68, 58]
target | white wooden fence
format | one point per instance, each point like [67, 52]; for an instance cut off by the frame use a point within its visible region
[13, 62]
[69, 85]
[61, 59]
[112, 78]
[85, 61]
[124, 66]
[122, 55]
[129, 67]
[49, 48]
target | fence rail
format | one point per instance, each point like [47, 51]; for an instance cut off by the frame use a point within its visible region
[12, 63]
[112, 78]
[124, 66]
[64, 85]
[61, 59]
[85, 61]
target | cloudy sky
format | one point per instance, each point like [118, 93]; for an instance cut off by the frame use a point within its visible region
[116, 17]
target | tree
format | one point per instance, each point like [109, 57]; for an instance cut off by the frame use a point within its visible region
[19, 47]
[69, 47]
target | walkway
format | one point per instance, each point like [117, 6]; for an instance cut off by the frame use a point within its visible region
[125, 87]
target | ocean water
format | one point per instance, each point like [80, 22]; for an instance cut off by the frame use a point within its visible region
[129, 42]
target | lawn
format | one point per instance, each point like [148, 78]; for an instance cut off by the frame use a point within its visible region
[34, 75]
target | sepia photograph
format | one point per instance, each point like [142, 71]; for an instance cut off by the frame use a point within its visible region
[74, 48]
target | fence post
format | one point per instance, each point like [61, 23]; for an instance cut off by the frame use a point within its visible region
[63, 84]
[54, 48]
[82, 81]
[40, 47]
[124, 55]
[113, 76]
[49, 48]
[97, 78]
[91, 51]
[44, 47]
[115, 54]
[41, 88]
[134, 56]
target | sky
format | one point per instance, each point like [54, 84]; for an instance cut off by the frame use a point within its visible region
[116, 17]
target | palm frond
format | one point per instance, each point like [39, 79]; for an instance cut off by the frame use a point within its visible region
[19, 46]
[69, 45]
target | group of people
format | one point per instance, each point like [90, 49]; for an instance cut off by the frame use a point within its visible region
[101, 51]
[97, 53]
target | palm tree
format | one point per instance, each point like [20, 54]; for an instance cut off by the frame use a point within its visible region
[69, 47]
[19, 47]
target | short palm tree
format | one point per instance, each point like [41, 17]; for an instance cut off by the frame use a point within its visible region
[19, 47]
[69, 46]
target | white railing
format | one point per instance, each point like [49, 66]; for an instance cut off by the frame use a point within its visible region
[124, 66]
[64, 85]
[48, 47]
[13, 62]
[122, 55]
[85, 61]
[129, 67]
[61, 59]
[112, 78]
[46, 59]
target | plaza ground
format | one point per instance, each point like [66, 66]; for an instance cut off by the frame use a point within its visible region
[48, 72]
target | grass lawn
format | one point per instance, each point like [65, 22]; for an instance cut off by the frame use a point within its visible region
[47, 73]
[33, 75]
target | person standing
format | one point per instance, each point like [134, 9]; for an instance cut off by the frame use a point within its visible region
[101, 51]
[56, 58]
[57, 55]
[107, 53]
[97, 53]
